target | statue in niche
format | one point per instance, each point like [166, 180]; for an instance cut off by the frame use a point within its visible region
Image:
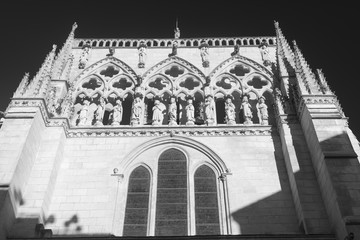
[264, 51]
[201, 110]
[84, 55]
[174, 49]
[52, 103]
[204, 53]
[229, 110]
[117, 114]
[209, 110]
[158, 112]
[262, 111]
[142, 54]
[172, 112]
[137, 110]
[190, 111]
[246, 107]
[111, 52]
[236, 50]
[99, 112]
[83, 115]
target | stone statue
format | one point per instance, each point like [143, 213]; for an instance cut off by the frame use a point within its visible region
[174, 49]
[204, 53]
[142, 55]
[99, 112]
[137, 111]
[111, 52]
[190, 112]
[229, 111]
[158, 115]
[172, 112]
[84, 55]
[246, 107]
[262, 111]
[264, 51]
[177, 33]
[209, 110]
[201, 110]
[117, 113]
[236, 50]
[84, 113]
[52, 103]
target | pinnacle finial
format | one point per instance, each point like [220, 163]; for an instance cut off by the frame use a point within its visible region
[307, 76]
[276, 24]
[74, 26]
[177, 30]
[295, 45]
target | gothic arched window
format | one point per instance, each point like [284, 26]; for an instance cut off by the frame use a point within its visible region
[137, 204]
[171, 203]
[206, 202]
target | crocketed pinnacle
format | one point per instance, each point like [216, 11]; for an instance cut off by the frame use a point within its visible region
[42, 75]
[304, 73]
[284, 52]
[64, 54]
[22, 86]
[324, 87]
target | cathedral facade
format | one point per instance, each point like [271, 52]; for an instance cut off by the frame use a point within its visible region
[232, 136]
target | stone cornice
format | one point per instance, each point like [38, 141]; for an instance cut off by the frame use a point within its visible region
[140, 131]
[316, 103]
[183, 42]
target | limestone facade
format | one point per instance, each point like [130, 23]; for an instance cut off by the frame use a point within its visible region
[253, 142]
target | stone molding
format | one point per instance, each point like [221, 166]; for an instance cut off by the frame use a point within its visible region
[324, 100]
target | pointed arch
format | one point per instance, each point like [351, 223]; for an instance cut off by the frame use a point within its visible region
[152, 82]
[137, 202]
[122, 65]
[215, 159]
[87, 79]
[175, 59]
[259, 74]
[237, 58]
[218, 79]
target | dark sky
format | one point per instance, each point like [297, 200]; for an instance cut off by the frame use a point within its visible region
[326, 34]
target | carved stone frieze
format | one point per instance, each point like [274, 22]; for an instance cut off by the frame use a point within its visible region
[181, 131]
[142, 131]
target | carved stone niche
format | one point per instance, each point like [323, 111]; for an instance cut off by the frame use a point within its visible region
[61, 88]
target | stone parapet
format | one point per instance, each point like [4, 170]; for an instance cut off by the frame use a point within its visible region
[186, 42]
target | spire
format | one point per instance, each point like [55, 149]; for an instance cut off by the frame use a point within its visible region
[64, 54]
[304, 73]
[42, 77]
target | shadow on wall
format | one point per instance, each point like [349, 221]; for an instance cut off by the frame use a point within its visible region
[279, 211]
[274, 214]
